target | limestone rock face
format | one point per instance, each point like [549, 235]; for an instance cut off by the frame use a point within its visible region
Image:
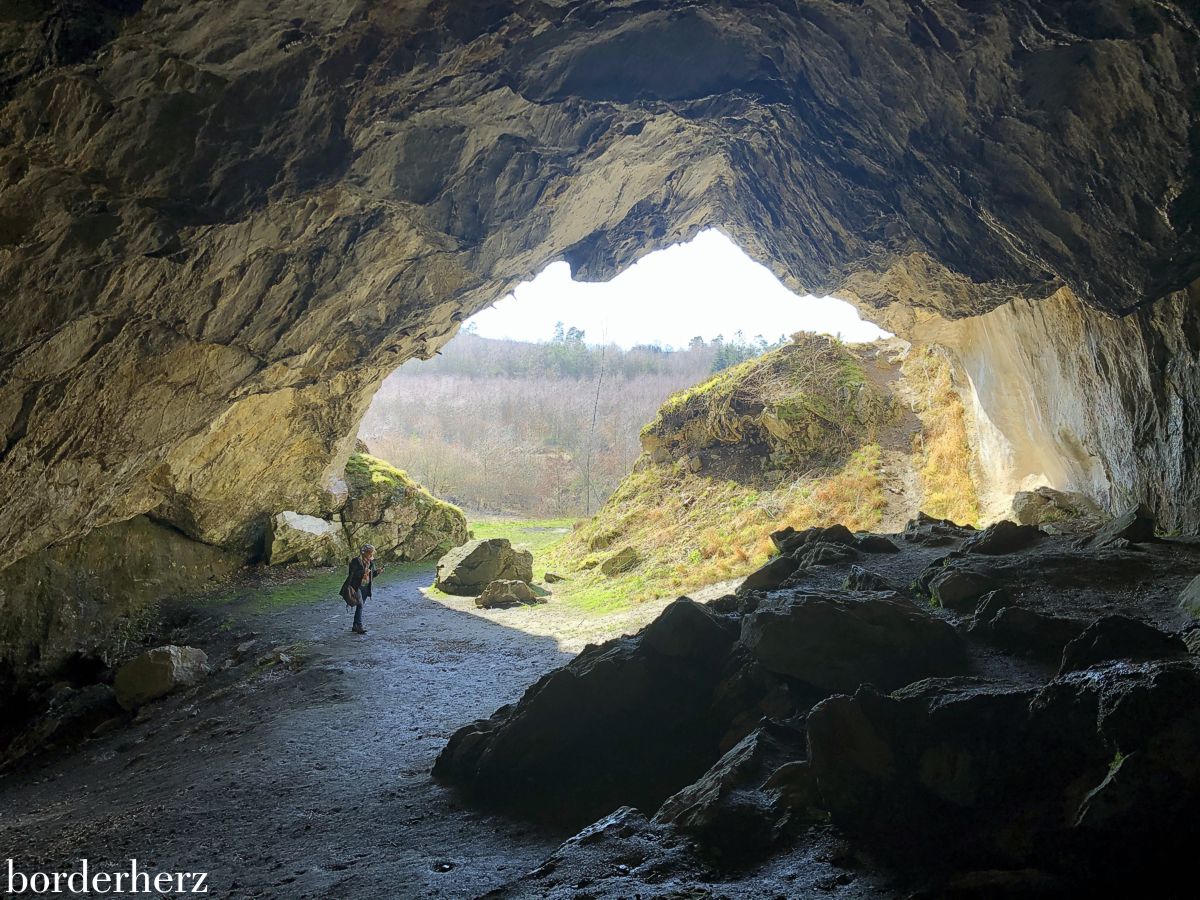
[95, 594]
[157, 672]
[308, 540]
[223, 225]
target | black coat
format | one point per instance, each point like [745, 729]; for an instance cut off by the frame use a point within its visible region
[354, 580]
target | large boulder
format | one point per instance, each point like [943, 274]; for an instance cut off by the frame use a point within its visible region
[1046, 506]
[837, 641]
[391, 511]
[297, 539]
[1002, 537]
[626, 722]
[469, 569]
[157, 673]
[503, 593]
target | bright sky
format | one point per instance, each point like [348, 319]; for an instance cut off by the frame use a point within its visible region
[705, 287]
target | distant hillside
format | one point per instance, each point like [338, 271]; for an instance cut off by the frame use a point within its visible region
[540, 429]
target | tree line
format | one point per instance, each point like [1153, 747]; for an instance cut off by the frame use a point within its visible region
[540, 429]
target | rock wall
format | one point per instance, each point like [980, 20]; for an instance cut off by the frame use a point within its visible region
[1067, 396]
[222, 223]
[92, 596]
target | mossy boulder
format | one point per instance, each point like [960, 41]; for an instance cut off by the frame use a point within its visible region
[807, 403]
[390, 510]
[384, 507]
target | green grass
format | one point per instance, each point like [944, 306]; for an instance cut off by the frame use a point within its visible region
[693, 530]
[298, 588]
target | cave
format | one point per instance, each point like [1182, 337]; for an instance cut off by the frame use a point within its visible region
[221, 226]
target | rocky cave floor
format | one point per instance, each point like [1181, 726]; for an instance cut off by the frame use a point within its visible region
[302, 766]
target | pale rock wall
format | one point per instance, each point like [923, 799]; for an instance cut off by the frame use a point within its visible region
[1064, 395]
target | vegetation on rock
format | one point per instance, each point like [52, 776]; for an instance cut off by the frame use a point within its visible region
[789, 438]
[948, 490]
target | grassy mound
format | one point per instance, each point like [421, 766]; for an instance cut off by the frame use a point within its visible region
[806, 404]
[388, 508]
[789, 438]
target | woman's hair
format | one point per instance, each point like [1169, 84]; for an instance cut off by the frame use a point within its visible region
[365, 549]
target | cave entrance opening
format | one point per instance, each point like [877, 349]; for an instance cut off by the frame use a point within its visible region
[645, 436]
[534, 409]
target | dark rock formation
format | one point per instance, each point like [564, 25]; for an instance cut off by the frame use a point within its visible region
[770, 575]
[930, 532]
[626, 722]
[836, 642]
[1002, 537]
[1119, 637]
[964, 773]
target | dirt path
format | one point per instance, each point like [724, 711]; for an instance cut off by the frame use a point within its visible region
[302, 771]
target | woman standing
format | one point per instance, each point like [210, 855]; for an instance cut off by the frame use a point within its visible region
[357, 587]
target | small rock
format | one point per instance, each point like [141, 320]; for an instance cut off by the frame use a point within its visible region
[621, 561]
[771, 575]
[1045, 505]
[552, 578]
[930, 532]
[861, 579]
[506, 592]
[826, 554]
[789, 540]
[875, 543]
[157, 672]
[1135, 525]
[1002, 537]
[960, 589]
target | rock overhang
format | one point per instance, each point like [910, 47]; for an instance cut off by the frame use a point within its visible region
[222, 231]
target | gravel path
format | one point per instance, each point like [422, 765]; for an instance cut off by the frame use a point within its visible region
[302, 770]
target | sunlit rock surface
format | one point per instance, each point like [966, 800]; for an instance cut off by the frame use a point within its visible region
[222, 224]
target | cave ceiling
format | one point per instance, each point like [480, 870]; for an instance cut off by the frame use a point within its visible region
[221, 224]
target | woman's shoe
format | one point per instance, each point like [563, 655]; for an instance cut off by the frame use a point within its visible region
[359, 630]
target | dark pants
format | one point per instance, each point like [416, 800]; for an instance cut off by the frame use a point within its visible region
[364, 596]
